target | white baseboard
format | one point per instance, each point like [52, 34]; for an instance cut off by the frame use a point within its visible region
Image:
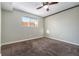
[20, 40]
[40, 37]
[59, 39]
[64, 41]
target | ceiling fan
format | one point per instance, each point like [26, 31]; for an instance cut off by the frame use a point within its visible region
[46, 5]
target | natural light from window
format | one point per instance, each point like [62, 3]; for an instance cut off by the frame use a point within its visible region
[29, 22]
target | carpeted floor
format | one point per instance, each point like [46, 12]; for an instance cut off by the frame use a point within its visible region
[40, 47]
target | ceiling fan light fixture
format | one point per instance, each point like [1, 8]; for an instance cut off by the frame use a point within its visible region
[46, 6]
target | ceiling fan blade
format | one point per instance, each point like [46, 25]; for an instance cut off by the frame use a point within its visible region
[45, 3]
[53, 3]
[39, 7]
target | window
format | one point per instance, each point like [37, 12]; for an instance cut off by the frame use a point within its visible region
[29, 22]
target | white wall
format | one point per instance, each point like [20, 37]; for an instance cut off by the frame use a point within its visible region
[64, 26]
[0, 28]
[0, 23]
[12, 30]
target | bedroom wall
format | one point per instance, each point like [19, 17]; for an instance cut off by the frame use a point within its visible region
[13, 31]
[0, 28]
[0, 24]
[64, 26]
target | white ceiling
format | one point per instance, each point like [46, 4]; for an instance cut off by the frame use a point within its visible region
[30, 7]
